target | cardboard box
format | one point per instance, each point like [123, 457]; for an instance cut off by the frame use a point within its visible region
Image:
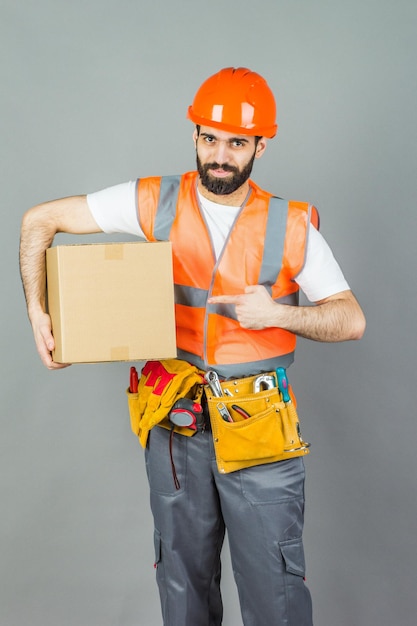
[111, 302]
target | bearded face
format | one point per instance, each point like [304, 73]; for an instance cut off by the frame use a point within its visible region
[213, 175]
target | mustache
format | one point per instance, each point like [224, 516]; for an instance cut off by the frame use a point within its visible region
[220, 166]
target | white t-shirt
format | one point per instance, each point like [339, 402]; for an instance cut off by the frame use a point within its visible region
[114, 210]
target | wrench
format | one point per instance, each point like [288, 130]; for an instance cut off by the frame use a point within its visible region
[213, 382]
[264, 381]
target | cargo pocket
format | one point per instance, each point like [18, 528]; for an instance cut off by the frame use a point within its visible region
[298, 598]
[292, 552]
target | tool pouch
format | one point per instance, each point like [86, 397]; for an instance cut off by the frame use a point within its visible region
[161, 384]
[271, 433]
[134, 412]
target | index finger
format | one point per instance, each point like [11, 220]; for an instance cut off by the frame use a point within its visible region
[225, 299]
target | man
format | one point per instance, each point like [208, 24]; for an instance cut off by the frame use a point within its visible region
[240, 257]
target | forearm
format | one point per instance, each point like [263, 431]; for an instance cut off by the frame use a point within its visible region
[39, 227]
[335, 319]
[36, 236]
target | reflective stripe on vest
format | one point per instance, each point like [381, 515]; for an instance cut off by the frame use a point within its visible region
[262, 245]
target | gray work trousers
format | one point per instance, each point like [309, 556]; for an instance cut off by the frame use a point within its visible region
[262, 509]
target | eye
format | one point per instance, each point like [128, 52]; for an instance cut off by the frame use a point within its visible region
[237, 143]
[209, 139]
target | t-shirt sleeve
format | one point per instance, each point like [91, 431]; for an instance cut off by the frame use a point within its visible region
[321, 275]
[114, 209]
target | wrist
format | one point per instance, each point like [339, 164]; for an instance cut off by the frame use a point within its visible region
[281, 315]
[36, 312]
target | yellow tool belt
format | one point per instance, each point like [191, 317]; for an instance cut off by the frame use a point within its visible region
[249, 427]
[264, 428]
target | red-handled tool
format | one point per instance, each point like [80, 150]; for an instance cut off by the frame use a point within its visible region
[240, 411]
[134, 380]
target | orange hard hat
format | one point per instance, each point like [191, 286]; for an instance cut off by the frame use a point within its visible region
[236, 100]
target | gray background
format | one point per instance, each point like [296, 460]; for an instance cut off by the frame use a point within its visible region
[94, 93]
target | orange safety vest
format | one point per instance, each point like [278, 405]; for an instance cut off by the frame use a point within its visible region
[266, 246]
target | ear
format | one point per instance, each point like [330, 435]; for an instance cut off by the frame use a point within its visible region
[195, 136]
[260, 147]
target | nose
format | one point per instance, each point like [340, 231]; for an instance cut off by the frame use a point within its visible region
[221, 152]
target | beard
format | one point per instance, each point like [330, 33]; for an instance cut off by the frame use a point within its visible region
[223, 186]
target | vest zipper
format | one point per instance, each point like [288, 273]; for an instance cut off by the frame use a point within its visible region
[216, 265]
